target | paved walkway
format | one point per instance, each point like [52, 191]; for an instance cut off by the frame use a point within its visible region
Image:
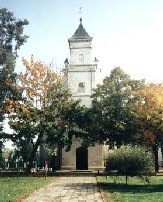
[68, 189]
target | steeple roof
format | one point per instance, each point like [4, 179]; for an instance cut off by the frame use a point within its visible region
[81, 33]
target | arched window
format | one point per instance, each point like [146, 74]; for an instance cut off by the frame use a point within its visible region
[81, 59]
[81, 87]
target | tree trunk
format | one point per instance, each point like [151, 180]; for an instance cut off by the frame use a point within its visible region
[162, 152]
[126, 179]
[59, 157]
[33, 153]
[1, 159]
[155, 152]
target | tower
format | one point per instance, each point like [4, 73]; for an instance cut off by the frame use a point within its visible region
[81, 72]
[81, 79]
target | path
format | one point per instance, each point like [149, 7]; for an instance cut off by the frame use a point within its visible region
[68, 189]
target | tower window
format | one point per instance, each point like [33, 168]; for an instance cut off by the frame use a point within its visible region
[81, 87]
[81, 59]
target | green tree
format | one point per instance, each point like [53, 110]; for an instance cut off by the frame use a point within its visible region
[130, 161]
[11, 39]
[44, 115]
[111, 119]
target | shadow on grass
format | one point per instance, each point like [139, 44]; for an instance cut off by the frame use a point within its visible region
[146, 188]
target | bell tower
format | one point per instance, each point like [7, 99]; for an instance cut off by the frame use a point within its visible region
[81, 76]
[81, 72]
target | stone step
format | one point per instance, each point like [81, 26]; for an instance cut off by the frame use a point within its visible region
[76, 173]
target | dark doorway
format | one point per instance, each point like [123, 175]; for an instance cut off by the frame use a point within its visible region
[81, 158]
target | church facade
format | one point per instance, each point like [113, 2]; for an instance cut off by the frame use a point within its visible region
[81, 75]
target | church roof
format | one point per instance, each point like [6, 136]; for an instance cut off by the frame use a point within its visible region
[80, 33]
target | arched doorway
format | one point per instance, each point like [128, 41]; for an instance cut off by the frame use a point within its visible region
[81, 158]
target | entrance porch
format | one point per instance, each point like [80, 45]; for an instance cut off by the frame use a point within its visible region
[81, 158]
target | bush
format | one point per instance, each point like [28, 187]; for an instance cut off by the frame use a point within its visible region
[130, 161]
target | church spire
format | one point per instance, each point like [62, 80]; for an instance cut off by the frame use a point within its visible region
[80, 33]
[80, 21]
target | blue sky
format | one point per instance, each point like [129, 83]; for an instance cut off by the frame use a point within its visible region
[126, 33]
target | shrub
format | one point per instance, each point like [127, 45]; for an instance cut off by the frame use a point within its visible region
[130, 161]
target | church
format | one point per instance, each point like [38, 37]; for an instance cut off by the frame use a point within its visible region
[81, 78]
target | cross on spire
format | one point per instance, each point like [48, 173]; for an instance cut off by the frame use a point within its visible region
[80, 11]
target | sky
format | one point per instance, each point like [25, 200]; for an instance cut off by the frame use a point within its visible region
[126, 33]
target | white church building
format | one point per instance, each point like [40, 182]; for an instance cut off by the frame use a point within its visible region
[82, 76]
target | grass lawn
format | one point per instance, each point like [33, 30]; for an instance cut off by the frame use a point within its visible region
[137, 190]
[12, 187]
